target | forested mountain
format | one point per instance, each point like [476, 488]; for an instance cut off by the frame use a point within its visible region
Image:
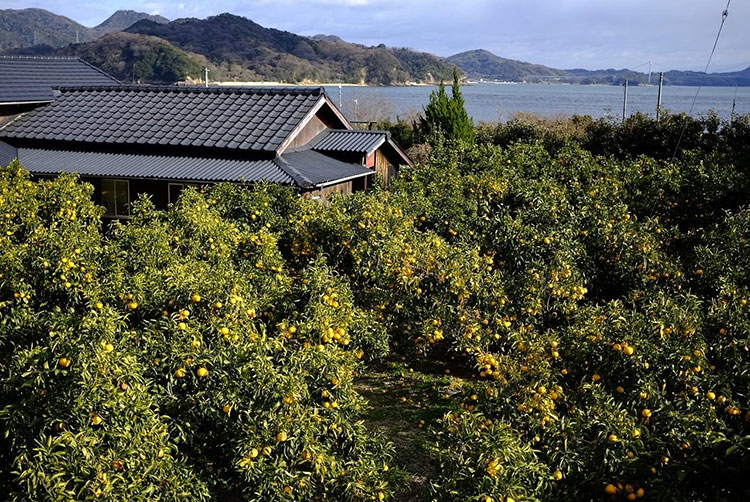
[123, 19]
[133, 58]
[482, 64]
[27, 27]
[21, 28]
[138, 46]
[230, 40]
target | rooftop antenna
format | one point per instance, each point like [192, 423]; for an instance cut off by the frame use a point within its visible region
[205, 70]
[339, 96]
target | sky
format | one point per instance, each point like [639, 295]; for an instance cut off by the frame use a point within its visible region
[593, 34]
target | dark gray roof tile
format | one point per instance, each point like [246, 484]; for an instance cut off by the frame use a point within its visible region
[354, 141]
[42, 161]
[146, 115]
[27, 79]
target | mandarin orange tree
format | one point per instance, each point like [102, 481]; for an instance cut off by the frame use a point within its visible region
[175, 357]
[591, 311]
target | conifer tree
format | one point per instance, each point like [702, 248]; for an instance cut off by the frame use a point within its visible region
[447, 115]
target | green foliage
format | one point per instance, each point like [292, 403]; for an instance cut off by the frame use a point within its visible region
[447, 116]
[592, 311]
[137, 57]
[175, 357]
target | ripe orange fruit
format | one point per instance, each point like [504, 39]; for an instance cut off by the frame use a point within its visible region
[180, 373]
[64, 362]
[227, 408]
[281, 437]
[202, 372]
[109, 347]
[96, 419]
[610, 489]
[195, 298]
[182, 326]
[132, 305]
[646, 413]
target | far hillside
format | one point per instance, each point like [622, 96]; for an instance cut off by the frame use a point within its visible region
[481, 64]
[230, 41]
[133, 58]
[20, 28]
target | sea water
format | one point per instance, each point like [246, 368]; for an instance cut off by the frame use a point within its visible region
[491, 102]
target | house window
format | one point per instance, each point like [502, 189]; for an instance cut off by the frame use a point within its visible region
[175, 189]
[116, 197]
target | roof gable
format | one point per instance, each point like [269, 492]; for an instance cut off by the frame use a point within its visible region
[358, 141]
[251, 119]
[27, 79]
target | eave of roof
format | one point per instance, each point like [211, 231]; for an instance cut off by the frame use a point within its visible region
[304, 170]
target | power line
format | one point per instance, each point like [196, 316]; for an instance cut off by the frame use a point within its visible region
[724, 15]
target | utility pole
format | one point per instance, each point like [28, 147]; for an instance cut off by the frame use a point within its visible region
[205, 70]
[649, 73]
[658, 99]
[339, 96]
[625, 102]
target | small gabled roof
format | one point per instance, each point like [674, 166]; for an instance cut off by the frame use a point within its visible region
[245, 119]
[304, 169]
[356, 141]
[31, 79]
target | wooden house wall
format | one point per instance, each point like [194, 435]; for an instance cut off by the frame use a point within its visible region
[383, 167]
[311, 129]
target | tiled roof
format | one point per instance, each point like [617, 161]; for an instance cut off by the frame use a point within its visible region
[302, 169]
[26, 79]
[256, 119]
[345, 140]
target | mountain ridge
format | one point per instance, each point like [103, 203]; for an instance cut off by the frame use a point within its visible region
[229, 40]
[483, 64]
[21, 28]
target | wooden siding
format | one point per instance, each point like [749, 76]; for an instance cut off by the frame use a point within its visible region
[324, 194]
[383, 167]
[312, 129]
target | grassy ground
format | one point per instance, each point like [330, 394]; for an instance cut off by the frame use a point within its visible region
[405, 402]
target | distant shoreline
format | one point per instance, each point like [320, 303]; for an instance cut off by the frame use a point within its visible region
[309, 84]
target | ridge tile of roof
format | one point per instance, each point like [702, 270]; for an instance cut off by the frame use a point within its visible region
[142, 115]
